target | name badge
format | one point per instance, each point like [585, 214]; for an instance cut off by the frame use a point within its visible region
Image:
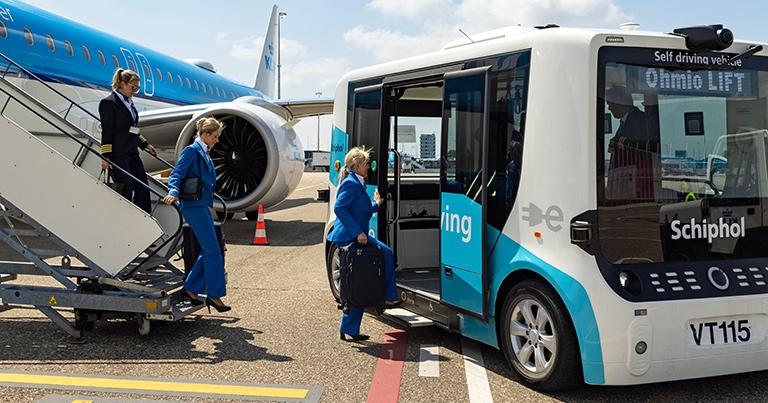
[134, 130]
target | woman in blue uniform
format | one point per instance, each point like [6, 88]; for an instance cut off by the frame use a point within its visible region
[353, 210]
[207, 274]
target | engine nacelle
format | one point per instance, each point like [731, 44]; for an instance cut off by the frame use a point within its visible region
[259, 158]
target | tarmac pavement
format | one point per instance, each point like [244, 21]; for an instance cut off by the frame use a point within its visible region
[283, 330]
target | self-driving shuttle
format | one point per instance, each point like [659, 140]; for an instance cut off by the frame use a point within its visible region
[599, 213]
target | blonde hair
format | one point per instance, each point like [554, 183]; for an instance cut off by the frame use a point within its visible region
[208, 125]
[355, 157]
[123, 76]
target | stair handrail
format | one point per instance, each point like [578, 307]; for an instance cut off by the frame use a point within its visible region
[88, 148]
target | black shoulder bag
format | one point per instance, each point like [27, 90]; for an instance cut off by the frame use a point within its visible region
[192, 188]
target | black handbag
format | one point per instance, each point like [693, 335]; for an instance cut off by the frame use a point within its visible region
[192, 188]
[108, 178]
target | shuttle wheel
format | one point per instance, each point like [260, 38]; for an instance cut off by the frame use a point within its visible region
[143, 324]
[334, 271]
[538, 338]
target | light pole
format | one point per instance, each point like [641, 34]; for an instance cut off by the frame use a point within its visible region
[318, 93]
[280, 16]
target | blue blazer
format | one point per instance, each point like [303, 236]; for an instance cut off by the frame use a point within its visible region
[353, 210]
[194, 163]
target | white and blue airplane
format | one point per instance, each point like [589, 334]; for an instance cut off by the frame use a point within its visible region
[259, 159]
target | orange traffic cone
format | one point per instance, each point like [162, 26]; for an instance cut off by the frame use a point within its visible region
[260, 237]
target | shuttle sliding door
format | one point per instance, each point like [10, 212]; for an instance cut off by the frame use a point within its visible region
[463, 194]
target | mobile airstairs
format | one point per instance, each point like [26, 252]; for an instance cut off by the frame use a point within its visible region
[105, 257]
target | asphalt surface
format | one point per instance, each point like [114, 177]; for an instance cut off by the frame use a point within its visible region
[283, 330]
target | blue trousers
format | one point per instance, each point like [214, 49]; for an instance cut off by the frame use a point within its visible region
[207, 274]
[350, 321]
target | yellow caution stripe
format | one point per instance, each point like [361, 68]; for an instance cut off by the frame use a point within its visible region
[153, 386]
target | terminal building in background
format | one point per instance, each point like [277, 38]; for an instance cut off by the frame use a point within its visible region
[428, 147]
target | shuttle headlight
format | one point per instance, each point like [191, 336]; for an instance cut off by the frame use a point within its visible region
[630, 282]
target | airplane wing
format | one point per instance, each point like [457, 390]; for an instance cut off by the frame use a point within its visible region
[162, 126]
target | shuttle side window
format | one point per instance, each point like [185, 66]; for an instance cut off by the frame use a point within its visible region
[29, 37]
[366, 123]
[86, 53]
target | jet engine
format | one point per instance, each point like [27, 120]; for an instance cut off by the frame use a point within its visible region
[258, 159]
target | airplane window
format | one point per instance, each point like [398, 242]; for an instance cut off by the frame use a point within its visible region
[159, 74]
[29, 37]
[210, 89]
[102, 59]
[170, 77]
[3, 30]
[116, 61]
[218, 94]
[70, 49]
[189, 84]
[181, 82]
[132, 65]
[51, 43]
[203, 85]
[86, 53]
[197, 87]
[147, 73]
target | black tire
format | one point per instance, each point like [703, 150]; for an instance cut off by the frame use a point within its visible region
[329, 265]
[220, 215]
[252, 215]
[564, 370]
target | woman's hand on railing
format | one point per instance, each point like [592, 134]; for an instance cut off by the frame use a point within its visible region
[105, 165]
[152, 150]
[377, 197]
[170, 199]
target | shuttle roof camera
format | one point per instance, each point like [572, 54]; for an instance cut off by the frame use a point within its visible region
[706, 37]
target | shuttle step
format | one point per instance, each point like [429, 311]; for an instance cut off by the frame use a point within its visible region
[408, 318]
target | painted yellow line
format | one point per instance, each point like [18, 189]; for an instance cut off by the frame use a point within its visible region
[142, 385]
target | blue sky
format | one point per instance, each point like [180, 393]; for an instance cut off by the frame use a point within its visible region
[324, 39]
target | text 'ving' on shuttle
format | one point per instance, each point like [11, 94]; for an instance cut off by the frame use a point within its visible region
[259, 158]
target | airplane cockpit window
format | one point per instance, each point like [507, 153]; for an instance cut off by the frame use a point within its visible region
[70, 49]
[86, 53]
[29, 37]
[102, 59]
[3, 30]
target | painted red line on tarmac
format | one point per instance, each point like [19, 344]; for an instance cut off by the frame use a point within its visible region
[385, 386]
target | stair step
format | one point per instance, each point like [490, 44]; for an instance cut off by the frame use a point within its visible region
[409, 318]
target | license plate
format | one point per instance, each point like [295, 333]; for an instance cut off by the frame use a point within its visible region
[720, 332]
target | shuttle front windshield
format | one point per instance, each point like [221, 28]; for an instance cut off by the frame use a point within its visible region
[682, 156]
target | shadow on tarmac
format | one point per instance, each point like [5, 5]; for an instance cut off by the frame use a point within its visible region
[204, 340]
[279, 233]
[740, 387]
[291, 203]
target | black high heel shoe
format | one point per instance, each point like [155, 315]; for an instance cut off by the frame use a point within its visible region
[393, 305]
[187, 296]
[219, 308]
[359, 337]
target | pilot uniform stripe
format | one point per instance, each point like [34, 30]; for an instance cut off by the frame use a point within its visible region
[106, 148]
